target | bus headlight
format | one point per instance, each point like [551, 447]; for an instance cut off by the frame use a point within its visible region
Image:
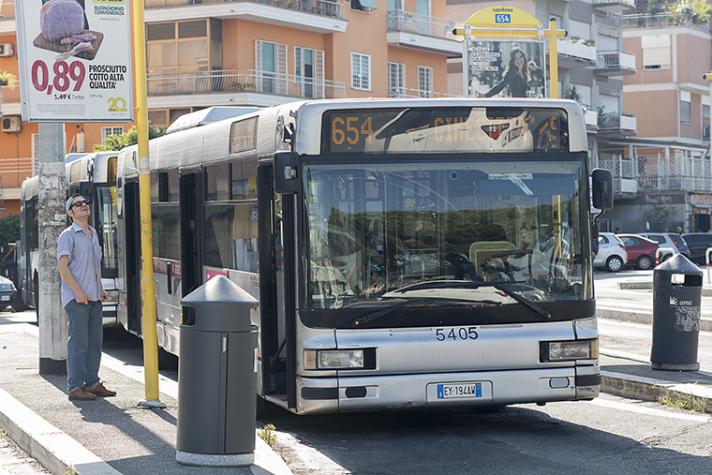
[334, 359]
[569, 350]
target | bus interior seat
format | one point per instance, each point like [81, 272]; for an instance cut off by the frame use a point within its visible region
[482, 250]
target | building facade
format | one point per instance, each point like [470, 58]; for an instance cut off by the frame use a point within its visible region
[663, 178]
[202, 53]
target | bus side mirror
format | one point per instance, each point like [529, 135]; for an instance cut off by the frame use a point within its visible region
[286, 176]
[602, 187]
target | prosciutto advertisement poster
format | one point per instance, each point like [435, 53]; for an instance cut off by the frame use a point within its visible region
[75, 60]
[506, 69]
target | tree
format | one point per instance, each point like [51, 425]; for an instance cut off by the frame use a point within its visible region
[130, 137]
[696, 11]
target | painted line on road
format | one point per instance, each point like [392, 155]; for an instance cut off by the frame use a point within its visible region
[649, 411]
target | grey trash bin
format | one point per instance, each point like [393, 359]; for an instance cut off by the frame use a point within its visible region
[217, 377]
[676, 315]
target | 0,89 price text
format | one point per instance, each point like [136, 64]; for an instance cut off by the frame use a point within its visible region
[63, 77]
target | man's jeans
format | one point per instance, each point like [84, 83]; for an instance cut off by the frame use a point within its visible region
[86, 336]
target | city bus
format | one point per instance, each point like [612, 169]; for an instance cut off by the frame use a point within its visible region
[405, 253]
[94, 176]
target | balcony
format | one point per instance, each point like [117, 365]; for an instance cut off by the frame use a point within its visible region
[662, 20]
[575, 54]
[322, 16]
[405, 92]
[7, 16]
[590, 116]
[614, 6]
[617, 124]
[623, 171]
[410, 30]
[259, 88]
[615, 63]
[10, 100]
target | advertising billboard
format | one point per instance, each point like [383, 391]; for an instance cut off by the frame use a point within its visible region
[506, 69]
[75, 60]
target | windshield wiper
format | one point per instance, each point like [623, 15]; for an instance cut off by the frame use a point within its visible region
[501, 285]
[420, 302]
[505, 286]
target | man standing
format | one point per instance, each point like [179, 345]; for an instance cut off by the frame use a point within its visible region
[79, 261]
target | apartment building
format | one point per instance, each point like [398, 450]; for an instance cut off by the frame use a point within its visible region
[202, 53]
[592, 60]
[662, 176]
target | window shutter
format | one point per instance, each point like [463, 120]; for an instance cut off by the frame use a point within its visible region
[258, 64]
[319, 72]
[298, 63]
[355, 67]
[281, 68]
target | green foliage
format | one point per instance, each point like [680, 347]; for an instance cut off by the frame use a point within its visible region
[267, 434]
[8, 79]
[573, 93]
[130, 137]
[696, 11]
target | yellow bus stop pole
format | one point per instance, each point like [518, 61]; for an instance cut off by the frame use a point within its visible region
[148, 287]
[553, 34]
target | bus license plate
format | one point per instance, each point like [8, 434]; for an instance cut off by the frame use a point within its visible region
[460, 391]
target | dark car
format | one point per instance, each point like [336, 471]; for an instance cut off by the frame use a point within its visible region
[698, 244]
[641, 251]
[7, 293]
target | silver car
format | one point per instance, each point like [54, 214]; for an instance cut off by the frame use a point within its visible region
[611, 255]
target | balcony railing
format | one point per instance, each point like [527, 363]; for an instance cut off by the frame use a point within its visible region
[318, 7]
[9, 95]
[407, 22]
[405, 92]
[611, 21]
[614, 121]
[675, 183]
[251, 81]
[7, 9]
[662, 20]
[625, 4]
[615, 61]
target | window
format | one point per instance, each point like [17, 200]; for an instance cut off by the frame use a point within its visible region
[656, 51]
[231, 223]
[425, 81]
[396, 79]
[158, 118]
[165, 213]
[243, 135]
[602, 240]
[271, 66]
[363, 5]
[685, 107]
[178, 48]
[361, 71]
[106, 132]
[309, 71]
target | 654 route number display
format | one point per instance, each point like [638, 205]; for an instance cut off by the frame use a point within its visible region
[68, 71]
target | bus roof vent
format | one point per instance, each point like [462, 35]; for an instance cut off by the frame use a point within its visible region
[207, 116]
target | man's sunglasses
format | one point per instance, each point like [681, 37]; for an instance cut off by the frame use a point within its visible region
[79, 203]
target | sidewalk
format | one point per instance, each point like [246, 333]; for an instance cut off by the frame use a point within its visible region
[108, 436]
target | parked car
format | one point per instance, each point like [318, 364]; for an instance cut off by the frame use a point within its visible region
[670, 240]
[7, 293]
[611, 255]
[641, 251]
[698, 244]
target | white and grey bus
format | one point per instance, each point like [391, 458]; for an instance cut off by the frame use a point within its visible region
[405, 253]
[92, 175]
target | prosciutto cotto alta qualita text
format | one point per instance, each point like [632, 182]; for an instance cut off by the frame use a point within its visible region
[106, 76]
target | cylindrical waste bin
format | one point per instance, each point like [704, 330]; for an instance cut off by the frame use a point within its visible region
[677, 295]
[217, 376]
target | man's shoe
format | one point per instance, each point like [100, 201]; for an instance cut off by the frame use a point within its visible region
[101, 391]
[81, 394]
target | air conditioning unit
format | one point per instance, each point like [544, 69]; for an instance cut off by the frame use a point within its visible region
[6, 50]
[11, 124]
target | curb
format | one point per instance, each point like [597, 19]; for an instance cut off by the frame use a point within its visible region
[646, 389]
[647, 285]
[641, 317]
[52, 448]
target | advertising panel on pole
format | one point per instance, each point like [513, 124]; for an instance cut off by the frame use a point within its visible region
[75, 60]
[506, 69]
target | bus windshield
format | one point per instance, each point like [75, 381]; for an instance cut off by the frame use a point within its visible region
[106, 228]
[375, 228]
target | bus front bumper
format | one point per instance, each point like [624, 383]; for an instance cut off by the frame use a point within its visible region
[432, 390]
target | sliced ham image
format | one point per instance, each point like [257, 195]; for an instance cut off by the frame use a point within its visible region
[61, 19]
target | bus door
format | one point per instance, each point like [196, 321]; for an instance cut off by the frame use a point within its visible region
[277, 299]
[192, 189]
[133, 255]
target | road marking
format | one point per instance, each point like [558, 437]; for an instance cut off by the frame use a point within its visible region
[649, 411]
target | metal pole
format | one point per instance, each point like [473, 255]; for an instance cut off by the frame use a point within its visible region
[148, 287]
[553, 59]
[466, 62]
[52, 219]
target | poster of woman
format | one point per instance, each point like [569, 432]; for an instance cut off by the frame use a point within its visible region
[507, 69]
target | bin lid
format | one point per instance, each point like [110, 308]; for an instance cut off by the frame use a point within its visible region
[219, 290]
[679, 264]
